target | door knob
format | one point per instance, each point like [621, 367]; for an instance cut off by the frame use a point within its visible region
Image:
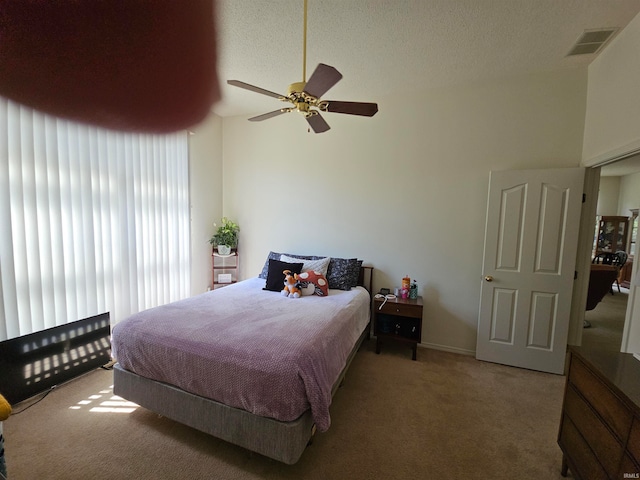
[488, 278]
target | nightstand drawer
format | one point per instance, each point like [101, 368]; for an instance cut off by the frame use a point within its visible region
[402, 309]
[405, 327]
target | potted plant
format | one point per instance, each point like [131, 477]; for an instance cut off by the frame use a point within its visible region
[226, 236]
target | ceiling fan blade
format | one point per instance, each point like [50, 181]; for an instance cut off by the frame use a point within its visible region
[318, 124]
[322, 79]
[352, 108]
[265, 116]
[253, 88]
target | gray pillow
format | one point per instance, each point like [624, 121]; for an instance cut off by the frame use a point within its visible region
[276, 256]
[321, 265]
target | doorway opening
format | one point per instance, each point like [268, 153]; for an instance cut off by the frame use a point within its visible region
[616, 230]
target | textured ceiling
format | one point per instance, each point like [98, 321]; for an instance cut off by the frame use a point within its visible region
[386, 46]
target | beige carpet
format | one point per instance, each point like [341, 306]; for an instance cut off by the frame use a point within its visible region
[444, 416]
[607, 322]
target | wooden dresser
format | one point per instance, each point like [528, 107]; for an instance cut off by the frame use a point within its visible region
[600, 424]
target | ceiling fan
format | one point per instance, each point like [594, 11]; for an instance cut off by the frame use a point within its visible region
[305, 95]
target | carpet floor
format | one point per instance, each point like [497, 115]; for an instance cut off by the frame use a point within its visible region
[443, 416]
[607, 322]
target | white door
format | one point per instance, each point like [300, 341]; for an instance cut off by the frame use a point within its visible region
[531, 238]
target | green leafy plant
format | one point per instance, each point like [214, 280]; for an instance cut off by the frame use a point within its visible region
[226, 234]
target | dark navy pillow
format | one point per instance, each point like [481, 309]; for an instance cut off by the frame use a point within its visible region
[343, 273]
[276, 256]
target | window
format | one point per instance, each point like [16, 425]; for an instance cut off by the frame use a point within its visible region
[92, 221]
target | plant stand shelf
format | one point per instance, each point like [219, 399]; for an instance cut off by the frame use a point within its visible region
[224, 268]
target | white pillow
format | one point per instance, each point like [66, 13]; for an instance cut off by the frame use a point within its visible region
[310, 289]
[309, 265]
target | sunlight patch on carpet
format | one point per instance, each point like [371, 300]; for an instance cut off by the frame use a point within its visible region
[105, 402]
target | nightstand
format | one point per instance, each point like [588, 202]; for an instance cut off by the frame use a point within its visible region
[399, 320]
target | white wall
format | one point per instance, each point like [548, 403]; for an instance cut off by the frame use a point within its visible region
[629, 194]
[608, 196]
[405, 190]
[611, 128]
[613, 102]
[205, 178]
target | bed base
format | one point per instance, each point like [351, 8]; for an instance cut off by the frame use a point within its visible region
[282, 441]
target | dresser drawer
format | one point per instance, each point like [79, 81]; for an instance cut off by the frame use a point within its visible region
[607, 449]
[581, 460]
[601, 398]
[633, 445]
[402, 309]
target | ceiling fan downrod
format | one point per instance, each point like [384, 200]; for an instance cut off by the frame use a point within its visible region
[304, 46]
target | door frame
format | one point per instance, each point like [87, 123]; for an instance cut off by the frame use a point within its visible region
[585, 244]
[583, 256]
[626, 330]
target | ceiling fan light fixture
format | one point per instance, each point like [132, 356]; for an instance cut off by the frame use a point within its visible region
[303, 107]
[296, 87]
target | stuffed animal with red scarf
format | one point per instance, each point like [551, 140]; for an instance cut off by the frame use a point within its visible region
[291, 286]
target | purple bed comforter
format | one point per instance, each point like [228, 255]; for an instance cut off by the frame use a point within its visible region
[248, 348]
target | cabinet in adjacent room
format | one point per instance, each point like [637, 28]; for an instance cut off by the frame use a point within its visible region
[612, 234]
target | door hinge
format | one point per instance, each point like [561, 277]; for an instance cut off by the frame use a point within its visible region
[584, 197]
[575, 274]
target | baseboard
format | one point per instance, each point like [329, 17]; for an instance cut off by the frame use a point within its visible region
[447, 348]
[444, 348]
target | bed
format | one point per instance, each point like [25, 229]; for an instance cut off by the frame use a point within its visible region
[243, 364]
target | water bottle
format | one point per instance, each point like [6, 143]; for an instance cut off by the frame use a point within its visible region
[413, 291]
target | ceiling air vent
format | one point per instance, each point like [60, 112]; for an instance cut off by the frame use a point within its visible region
[591, 41]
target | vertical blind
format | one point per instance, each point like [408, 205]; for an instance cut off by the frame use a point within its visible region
[91, 221]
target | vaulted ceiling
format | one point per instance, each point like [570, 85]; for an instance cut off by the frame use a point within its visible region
[389, 46]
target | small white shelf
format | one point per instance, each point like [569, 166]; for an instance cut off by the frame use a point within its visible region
[224, 256]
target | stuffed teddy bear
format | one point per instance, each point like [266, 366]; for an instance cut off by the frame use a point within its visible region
[291, 287]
